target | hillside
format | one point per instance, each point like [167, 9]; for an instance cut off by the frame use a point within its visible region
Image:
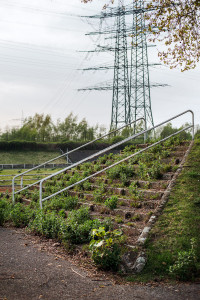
[116, 206]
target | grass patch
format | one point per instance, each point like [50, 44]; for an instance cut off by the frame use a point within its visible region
[173, 246]
[31, 177]
[29, 157]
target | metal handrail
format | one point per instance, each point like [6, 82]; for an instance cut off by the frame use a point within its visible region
[114, 146]
[113, 165]
[69, 152]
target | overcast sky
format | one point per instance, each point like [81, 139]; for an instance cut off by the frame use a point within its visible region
[40, 58]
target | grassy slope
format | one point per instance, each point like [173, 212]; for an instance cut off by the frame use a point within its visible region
[179, 223]
[28, 157]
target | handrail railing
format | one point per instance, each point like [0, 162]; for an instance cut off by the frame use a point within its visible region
[113, 165]
[111, 147]
[64, 154]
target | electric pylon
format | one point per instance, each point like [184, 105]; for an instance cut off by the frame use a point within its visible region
[140, 97]
[131, 86]
[121, 92]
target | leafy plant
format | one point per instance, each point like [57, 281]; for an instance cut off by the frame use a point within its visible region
[114, 173]
[133, 189]
[142, 171]
[105, 248]
[4, 210]
[103, 159]
[111, 202]
[120, 171]
[124, 179]
[70, 203]
[35, 196]
[119, 220]
[79, 216]
[78, 233]
[78, 226]
[98, 196]
[57, 203]
[87, 186]
[21, 215]
[47, 224]
[135, 204]
[156, 170]
[74, 178]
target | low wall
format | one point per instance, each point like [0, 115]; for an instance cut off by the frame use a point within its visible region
[73, 157]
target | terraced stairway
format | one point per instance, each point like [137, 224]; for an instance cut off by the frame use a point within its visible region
[131, 199]
[129, 194]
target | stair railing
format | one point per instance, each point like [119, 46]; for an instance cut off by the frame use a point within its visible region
[110, 148]
[64, 154]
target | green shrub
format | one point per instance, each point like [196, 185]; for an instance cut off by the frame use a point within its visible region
[105, 248]
[87, 186]
[57, 203]
[77, 228]
[75, 178]
[47, 224]
[98, 196]
[35, 196]
[4, 210]
[111, 202]
[118, 171]
[102, 159]
[155, 172]
[124, 179]
[79, 216]
[70, 203]
[130, 148]
[78, 233]
[21, 215]
[143, 171]
[114, 173]
[133, 189]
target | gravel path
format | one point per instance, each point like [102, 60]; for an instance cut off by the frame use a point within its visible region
[27, 272]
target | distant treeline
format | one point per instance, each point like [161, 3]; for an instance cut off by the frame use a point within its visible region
[41, 133]
[41, 128]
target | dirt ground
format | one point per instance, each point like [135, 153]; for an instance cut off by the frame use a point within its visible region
[31, 269]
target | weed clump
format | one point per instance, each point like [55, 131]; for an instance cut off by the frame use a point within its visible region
[105, 248]
[111, 202]
[4, 210]
[185, 267]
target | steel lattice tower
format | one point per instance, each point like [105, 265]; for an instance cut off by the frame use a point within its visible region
[130, 86]
[121, 93]
[140, 99]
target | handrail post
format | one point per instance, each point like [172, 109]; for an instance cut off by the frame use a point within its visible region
[41, 194]
[145, 137]
[22, 181]
[13, 190]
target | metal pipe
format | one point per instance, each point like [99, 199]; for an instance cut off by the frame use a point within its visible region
[109, 167]
[22, 182]
[114, 146]
[78, 148]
